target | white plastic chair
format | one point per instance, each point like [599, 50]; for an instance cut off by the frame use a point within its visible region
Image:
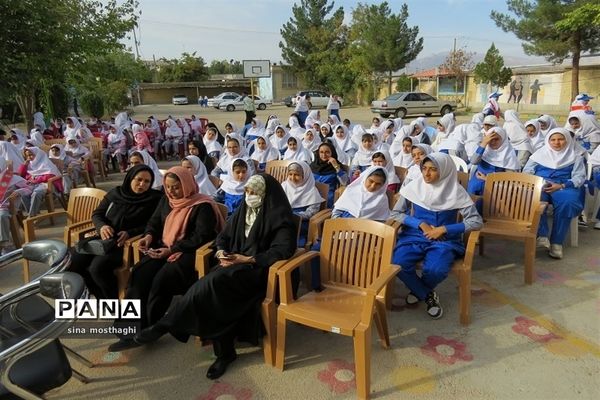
[461, 165]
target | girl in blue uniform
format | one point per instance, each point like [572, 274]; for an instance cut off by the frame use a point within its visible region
[428, 210]
[494, 154]
[231, 191]
[326, 168]
[365, 197]
[563, 170]
[263, 153]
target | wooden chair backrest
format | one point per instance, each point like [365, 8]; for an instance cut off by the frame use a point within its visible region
[353, 251]
[278, 169]
[45, 148]
[83, 202]
[511, 196]
[223, 209]
[95, 145]
[50, 142]
[338, 193]
[463, 179]
[323, 189]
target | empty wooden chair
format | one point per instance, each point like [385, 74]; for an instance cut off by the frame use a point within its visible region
[355, 259]
[512, 210]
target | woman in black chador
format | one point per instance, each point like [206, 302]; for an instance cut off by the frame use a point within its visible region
[225, 304]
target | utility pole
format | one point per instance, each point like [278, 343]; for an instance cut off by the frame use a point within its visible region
[135, 42]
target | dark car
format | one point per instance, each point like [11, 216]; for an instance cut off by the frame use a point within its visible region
[288, 101]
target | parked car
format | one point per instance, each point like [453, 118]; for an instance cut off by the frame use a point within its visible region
[401, 104]
[215, 101]
[318, 98]
[179, 99]
[238, 104]
[288, 101]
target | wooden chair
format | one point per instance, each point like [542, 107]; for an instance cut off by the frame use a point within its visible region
[15, 224]
[463, 179]
[512, 210]
[50, 142]
[323, 189]
[278, 169]
[356, 267]
[95, 145]
[401, 173]
[82, 203]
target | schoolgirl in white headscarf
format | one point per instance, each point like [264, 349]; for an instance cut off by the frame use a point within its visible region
[279, 139]
[314, 117]
[72, 127]
[547, 123]
[303, 194]
[586, 128]
[419, 151]
[9, 152]
[272, 123]
[311, 141]
[519, 140]
[297, 152]
[36, 137]
[198, 169]
[296, 130]
[257, 129]
[264, 152]
[232, 187]
[563, 170]
[404, 158]
[535, 134]
[38, 120]
[229, 155]
[342, 139]
[365, 197]
[213, 147]
[18, 138]
[444, 139]
[383, 158]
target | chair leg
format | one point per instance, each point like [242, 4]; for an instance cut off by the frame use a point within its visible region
[50, 204]
[80, 377]
[574, 233]
[78, 356]
[381, 323]
[26, 272]
[280, 353]
[269, 314]
[464, 296]
[529, 260]
[362, 361]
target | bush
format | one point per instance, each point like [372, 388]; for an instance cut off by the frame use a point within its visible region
[92, 104]
[115, 96]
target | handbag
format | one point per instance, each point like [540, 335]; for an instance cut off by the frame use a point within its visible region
[95, 246]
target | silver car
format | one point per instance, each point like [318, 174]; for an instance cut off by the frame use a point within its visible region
[404, 103]
[238, 104]
[215, 101]
[179, 99]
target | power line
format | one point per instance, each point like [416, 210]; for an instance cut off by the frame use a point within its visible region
[212, 28]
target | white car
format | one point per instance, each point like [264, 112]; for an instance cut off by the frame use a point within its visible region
[318, 98]
[180, 99]
[238, 104]
[215, 101]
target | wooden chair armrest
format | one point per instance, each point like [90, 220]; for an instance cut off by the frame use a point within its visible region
[203, 255]
[273, 279]
[476, 197]
[537, 215]
[470, 250]
[382, 280]
[315, 226]
[50, 183]
[128, 249]
[286, 292]
[78, 225]
[29, 228]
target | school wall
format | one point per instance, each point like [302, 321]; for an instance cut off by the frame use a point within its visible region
[278, 89]
[160, 93]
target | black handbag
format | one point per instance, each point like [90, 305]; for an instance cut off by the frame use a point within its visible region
[95, 246]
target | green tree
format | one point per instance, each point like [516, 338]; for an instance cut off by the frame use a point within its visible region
[382, 41]
[315, 45]
[403, 84]
[220, 67]
[555, 29]
[492, 70]
[457, 64]
[43, 42]
[188, 68]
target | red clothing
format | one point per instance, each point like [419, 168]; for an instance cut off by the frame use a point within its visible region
[40, 178]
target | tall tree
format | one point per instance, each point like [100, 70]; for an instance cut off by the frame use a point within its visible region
[218, 67]
[492, 70]
[315, 44]
[555, 29]
[189, 68]
[383, 40]
[457, 64]
[43, 41]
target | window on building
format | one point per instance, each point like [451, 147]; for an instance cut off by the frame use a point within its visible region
[289, 80]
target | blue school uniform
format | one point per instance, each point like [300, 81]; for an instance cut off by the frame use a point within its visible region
[332, 181]
[438, 255]
[232, 201]
[476, 185]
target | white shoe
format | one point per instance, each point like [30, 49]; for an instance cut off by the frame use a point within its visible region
[556, 251]
[597, 225]
[543, 241]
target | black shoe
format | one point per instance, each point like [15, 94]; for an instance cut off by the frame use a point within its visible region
[218, 368]
[434, 309]
[150, 334]
[411, 299]
[123, 344]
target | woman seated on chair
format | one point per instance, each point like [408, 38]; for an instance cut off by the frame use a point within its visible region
[563, 170]
[327, 169]
[183, 221]
[302, 194]
[494, 154]
[142, 157]
[11, 186]
[430, 231]
[198, 169]
[81, 156]
[122, 214]
[37, 170]
[225, 304]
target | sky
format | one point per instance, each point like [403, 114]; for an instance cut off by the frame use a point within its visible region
[249, 29]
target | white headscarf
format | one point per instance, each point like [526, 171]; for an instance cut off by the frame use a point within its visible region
[295, 129]
[21, 137]
[72, 131]
[122, 121]
[414, 171]
[550, 158]
[78, 150]
[300, 154]
[363, 204]
[280, 143]
[16, 178]
[515, 130]
[448, 122]
[205, 186]
[504, 156]
[213, 145]
[589, 131]
[227, 158]
[305, 194]
[38, 119]
[444, 194]
[9, 152]
[549, 121]
[311, 145]
[230, 185]
[357, 133]
[389, 167]
[173, 129]
[312, 119]
[537, 140]
[41, 164]
[595, 157]
[403, 159]
[363, 156]
[185, 127]
[344, 143]
[35, 137]
[258, 129]
[62, 155]
[149, 161]
[272, 123]
[268, 154]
